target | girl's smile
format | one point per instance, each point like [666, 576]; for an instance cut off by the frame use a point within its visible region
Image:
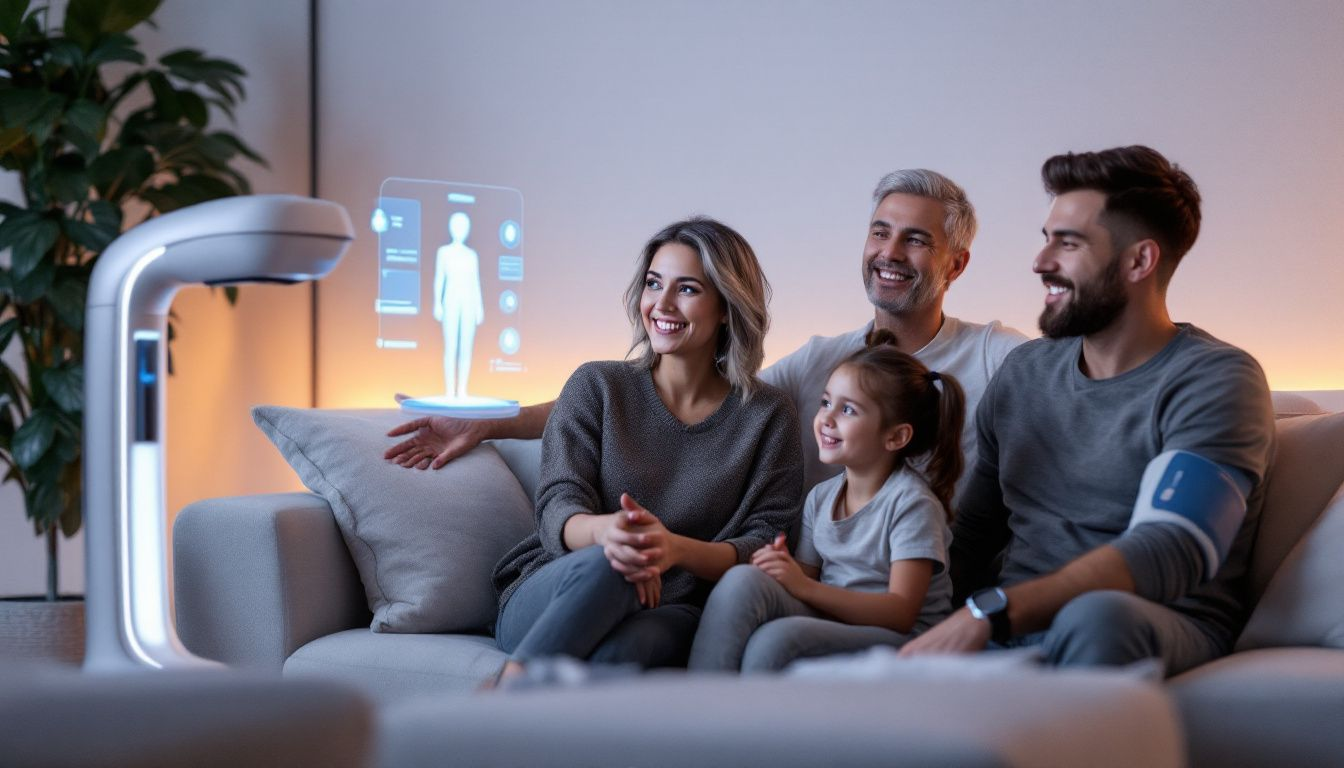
[848, 425]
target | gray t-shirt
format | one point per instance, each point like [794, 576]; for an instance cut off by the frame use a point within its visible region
[1062, 455]
[904, 521]
[734, 477]
[969, 351]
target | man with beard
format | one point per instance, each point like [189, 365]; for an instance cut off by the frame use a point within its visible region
[919, 240]
[1122, 456]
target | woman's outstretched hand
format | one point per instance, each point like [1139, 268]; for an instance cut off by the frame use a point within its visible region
[434, 440]
[775, 560]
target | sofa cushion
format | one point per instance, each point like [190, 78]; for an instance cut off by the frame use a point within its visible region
[424, 542]
[1307, 469]
[1294, 404]
[390, 668]
[1303, 604]
[678, 719]
[1278, 706]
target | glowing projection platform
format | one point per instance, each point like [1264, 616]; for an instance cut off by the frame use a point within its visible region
[261, 238]
[462, 407]
[465, 301]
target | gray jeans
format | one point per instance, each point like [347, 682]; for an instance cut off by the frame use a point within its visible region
[753, 624]
[576, 605]
[1117, 628]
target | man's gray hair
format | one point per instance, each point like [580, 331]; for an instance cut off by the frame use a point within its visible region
[959, 224]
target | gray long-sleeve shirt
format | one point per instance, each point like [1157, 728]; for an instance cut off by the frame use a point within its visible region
[734, 477]
[1062, 456]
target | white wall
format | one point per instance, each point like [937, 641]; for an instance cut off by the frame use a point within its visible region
[226, 359]
[614, 118]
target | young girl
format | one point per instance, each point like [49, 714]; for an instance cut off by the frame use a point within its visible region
[871, 564]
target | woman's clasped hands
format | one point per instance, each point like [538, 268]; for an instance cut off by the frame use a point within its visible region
[640, 548]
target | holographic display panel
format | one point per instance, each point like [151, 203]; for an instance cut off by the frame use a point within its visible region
[451, 272]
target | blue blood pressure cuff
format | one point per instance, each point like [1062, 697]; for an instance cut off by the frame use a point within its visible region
[1202, 497]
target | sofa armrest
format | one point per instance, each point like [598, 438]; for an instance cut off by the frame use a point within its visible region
[256, 577]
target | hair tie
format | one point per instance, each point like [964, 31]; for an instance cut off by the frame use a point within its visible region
[933, 376]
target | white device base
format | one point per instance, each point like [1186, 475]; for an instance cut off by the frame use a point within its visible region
[468, 407]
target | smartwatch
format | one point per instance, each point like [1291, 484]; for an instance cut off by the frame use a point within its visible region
[992, 605]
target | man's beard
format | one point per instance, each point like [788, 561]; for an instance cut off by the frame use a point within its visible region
[922, 291]
[1090, 309]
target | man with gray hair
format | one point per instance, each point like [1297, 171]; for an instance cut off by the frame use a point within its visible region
[919, 240]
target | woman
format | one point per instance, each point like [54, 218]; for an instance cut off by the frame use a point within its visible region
[657, 474]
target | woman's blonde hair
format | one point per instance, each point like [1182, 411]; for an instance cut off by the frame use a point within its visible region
[731, 266]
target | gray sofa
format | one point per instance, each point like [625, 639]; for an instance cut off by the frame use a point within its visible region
[269, 583]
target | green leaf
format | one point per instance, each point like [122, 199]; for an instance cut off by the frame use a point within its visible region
[116, 48]
[106, 214]
[71, 480]
[181, 58]
[68, 179]
[35, 284]
[84, 126]
[43, 502]
[11, 15]
[189, 190]
[166, 102]
[66, 54]
[97, 234]
[86, 235]
[44, 120]
[24, 106]
[11, 137]
[86, 21]
[191, 64]
[6, 424]
[29, 235]
[33, 438]
[240, 147]
[126, 167]
[7, 329]
[67, 298]
[193, 107]
[215, 149]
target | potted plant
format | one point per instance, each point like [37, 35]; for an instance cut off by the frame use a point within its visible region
[99, 140]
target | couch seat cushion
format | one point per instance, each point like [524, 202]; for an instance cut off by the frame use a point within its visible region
[681, 719]
[395, 667]
[1268, 707]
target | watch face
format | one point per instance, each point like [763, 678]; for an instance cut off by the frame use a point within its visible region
[990, 601]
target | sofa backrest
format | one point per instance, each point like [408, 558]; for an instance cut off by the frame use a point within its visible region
[1309, 467]
[524, 460]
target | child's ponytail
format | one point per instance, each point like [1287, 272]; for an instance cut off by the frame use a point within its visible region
[945, 457]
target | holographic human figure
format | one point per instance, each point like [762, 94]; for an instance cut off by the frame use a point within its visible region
[457, 303]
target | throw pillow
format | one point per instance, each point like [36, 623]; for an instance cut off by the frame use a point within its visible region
[1308, 467]
[424, 542]
[1303, 605]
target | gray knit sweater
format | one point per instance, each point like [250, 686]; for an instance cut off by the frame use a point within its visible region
[735, 477]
